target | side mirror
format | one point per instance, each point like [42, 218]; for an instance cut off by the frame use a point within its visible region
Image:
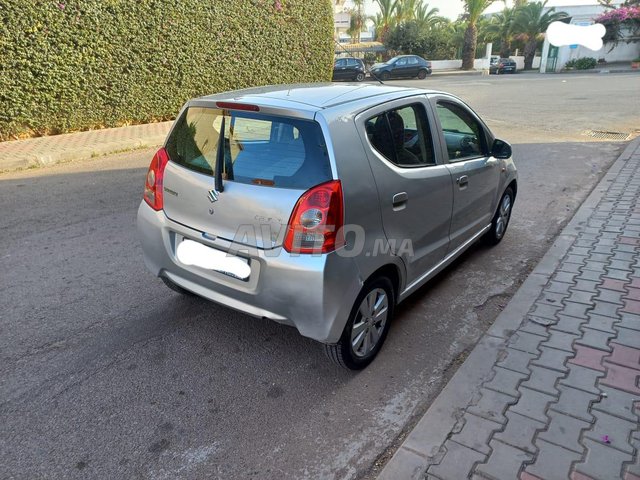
[501, 149]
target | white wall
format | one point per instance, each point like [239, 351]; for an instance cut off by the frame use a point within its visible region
[520, 61]
[624, 52]
[481, 63]
[478, 64]
[446, 64]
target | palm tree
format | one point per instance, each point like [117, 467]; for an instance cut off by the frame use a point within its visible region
[358, 19]
[500, 29]
[530, 22]
[427, 17]
[385, 19]
[456, 30]
[405, 10]
[473, 10]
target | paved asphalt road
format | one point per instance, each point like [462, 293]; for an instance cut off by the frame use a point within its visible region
[105, 373]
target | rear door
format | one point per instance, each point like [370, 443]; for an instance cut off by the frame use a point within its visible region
[475, 173]
[269, 161]
[413, 66]
[414, 188]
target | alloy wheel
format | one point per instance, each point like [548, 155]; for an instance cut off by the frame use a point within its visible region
[370, 322]
[503, 216]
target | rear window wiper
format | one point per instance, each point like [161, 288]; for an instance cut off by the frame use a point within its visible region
[220, 160]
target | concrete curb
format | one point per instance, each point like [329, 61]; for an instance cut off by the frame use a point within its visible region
[422, 445]
[79, 153]
[457, 72]
[600, 70]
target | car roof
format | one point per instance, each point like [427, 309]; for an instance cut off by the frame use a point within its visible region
[314, 96]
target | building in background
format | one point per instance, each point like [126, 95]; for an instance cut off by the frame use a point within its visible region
[342, 22]
[341, 19]
[555, 58]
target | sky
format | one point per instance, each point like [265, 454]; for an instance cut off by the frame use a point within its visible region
[453, 8]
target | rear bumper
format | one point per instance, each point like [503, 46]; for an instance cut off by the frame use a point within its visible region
[313, 293]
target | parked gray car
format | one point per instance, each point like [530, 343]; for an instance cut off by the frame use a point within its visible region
[324, 205]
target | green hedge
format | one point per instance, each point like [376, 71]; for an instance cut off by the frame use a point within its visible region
[77, 64]
[584, 63]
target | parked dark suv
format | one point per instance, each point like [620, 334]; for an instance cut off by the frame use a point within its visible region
[349, 68]
[502, 65]
[402, 66]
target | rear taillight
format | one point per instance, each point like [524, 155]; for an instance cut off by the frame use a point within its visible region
[154, 181]
[316, 223]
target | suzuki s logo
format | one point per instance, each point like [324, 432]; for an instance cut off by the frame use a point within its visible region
[213, 195]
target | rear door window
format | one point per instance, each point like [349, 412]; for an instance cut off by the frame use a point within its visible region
[402, 136]
[259, 149]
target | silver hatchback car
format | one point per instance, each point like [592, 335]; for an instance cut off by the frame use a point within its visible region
[322, 206]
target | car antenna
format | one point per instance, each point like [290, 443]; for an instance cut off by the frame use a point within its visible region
[349, 53]
[220, 158]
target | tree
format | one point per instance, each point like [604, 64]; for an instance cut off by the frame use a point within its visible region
[410, 37]
[357, 21]
[606, 3]
[473, 10]
[405, 10]
[500, 30]
[530, 22]
[427, 17]
[622, 23]
[384, 20]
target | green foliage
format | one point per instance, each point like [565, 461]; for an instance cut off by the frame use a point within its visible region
[370, 58]
[585, 63]
[430, 43]
[77, 64]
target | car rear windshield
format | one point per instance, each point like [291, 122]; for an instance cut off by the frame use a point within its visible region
[259, 149]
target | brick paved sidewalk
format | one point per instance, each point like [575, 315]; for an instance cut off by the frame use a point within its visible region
[76, 146]
[562, 398]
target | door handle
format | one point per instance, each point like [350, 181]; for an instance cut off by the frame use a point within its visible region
[400, 200]
[462, 181]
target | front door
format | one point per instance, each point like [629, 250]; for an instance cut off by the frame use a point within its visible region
[400, 68]
[552, 59]
[414, 186]
[340, 69]
[474, 172]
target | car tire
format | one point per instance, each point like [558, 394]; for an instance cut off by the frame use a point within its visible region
[359, 77]
[501, 218]
[354, 350]
[422, 74]
[176, 288]
[384, 76]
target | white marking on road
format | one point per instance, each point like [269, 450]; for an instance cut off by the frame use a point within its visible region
[186, 461]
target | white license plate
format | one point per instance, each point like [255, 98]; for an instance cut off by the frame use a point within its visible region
[199, 255]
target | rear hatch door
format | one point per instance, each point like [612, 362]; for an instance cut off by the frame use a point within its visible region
[268, 161]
